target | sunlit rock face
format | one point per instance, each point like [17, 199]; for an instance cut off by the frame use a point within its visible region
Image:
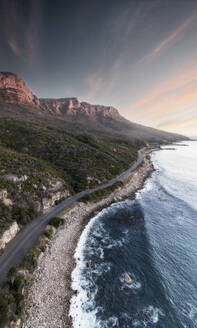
[73, 107]
[9, 234]
[14, 90]
[62, 106]
[99, 111]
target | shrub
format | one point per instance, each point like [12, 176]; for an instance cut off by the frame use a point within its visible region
[22, 216]
[96, 195]
[5, 299]
[48, 233]
[4, 307]
[56, 222]
[12, 272]
[58, 201]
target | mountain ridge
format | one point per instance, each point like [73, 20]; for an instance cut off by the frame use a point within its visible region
[14, 92]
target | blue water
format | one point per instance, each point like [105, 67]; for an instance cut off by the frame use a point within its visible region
[154, 240]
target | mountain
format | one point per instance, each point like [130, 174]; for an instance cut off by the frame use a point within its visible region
[13, 90]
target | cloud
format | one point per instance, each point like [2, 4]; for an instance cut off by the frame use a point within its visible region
[33, 28]
[94, 83]
[178, 79]
[14, 47]
[143, 10]
[173, 101]
[170, 39]
[22, 23]
[183, 126]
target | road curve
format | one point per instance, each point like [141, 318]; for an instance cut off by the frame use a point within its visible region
[26, 238]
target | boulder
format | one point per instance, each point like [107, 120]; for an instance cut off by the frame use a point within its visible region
[89, 264]
[12, 178]
[9, 234]
[128, 279]
[3, 194]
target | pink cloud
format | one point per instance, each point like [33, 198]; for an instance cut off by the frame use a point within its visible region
[171, 38]
[95, 83]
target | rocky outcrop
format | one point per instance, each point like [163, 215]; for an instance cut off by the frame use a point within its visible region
[12, 178]
[8, 235]
[49, 201]
[3, 194]
[14, 90]
[4, 198]
[99, 111]
[72, 107]
[62, 106]
[127, 279]
[45, 193]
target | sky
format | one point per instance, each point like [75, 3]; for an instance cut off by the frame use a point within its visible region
[139, 56]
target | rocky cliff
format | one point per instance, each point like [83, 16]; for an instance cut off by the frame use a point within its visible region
[14, 90]
[72, 107]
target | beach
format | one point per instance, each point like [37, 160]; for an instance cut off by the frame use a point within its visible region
[48, 303]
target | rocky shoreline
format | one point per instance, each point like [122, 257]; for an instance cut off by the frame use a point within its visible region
[48, 302]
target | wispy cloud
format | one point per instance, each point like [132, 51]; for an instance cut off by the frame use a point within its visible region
[177, 80]
[183, 126]
[143, 10]
[14, 47]
[171, 38]
[94, 83]
[172, 101]
[21, 28]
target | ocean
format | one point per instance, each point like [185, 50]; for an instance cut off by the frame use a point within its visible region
[137, 259]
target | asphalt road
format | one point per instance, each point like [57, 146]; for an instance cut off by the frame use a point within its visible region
[26, 238]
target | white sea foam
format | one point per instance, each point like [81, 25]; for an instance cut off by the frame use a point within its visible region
[83, 310]
[149, 315]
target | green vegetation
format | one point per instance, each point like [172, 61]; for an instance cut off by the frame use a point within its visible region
[36, 152]
[98, 194]
[56, 222]
[59, 200]
[22, 216]
[31, 258]
[81, 160]
[48, 233]
[12, 291]
[11, 297]
[41, 151]
[26, 194]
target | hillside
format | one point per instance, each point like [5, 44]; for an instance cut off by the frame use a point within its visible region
[51, 148]
[13, 90]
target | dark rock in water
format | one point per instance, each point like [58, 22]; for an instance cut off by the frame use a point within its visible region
[88, 295]
[89, 264]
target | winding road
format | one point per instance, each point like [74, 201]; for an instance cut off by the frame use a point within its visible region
[26, 238]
